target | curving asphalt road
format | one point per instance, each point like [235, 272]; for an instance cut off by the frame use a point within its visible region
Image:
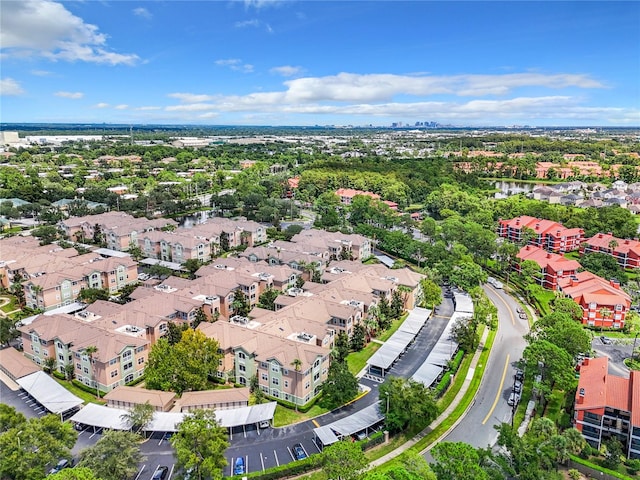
[490, 405]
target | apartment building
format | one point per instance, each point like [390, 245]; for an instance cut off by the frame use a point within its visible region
[608, 406]
[128, 397]
[286, 369]
[120, 355]
[625, 251]
[551, 236]
[604, 303]
[552, 265]
[346, 195]
[339, 245]
[223, 399]
[58, 284]
[118, 230]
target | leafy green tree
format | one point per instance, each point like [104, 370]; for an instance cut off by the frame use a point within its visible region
[343, 461]
[29, 446]
[465, 333]
[431, 293]
[90, 295]
[139, 416]
[468, 275]
[341, 347]
[174, 332]
[613, 454]
[199, 318]
[397, 304]
[457, 461]
[567, 306]
[358, 339]
[114, 457]
[192, 265]
[405, 402]
[200, 444]
[46, 234]
[555, 364]
[562, 331]
[184, 366]
[267, 299]
[240, 304]
[604, 266]
[76, 473]
[8, 329]
[340, 387]
[10, 418]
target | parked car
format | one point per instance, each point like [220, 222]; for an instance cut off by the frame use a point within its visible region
[298, 452]
[517, 387]
[523, 316]
[238, 467]
[519, 375]
[264, 424]
[160, 473]
[495, 283]
[605, 340]
[514, 399]
[61, 465]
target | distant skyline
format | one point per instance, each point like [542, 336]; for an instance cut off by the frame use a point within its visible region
[272, 62]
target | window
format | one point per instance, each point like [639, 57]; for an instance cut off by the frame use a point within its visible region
[85, 370]
[275, 367]
[113, 361]
[126, 355]
[241, 356]
[275, 393]
[140, 360]
[286, 384]
[140, 349]
[316, 376]
[114, 373]
[128, 366]
[242, 368]
[275, 381]
[45, 353]
[264, 377]
[78, 366]
[263, 365]
[128, 378]
[61, 357]
[307, 385]
[285, 371]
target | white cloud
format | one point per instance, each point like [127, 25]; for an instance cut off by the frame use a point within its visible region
[191, 107]
[258, 4]
[286, 70]
[142, 12]
[71, 95]
[10, 88]
[148, 107]
[247, 23]
[209, 115]
[235, 64]
[122, 106]
[191, 97]
[46, 28]
[101, 105]
[41, 73]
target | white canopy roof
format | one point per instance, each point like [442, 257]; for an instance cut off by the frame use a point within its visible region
[111, 418]
[391, 350]
[365, 418]
[463, 302]
[49, 393]
[102, 417]
[415, 321]
[427, 374]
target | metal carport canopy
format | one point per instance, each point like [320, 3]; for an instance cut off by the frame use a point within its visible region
[415, 321]
[365, 418]
[391, 350]
[49, 393]
[427, 374]
[102, 417]
[237, 417]
[463, 302]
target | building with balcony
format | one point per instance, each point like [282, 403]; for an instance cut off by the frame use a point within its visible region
[552, 265]
[551, 236]
[608, 406]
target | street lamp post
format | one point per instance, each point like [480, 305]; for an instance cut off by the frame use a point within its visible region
[387, 394]
[633, 351]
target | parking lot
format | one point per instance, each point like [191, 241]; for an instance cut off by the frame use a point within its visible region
[21, 401]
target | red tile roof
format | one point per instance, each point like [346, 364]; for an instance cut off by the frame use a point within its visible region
[543, 258]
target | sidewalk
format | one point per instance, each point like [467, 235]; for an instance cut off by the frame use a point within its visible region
[443, 416]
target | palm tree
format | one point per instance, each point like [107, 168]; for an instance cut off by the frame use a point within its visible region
[297, 366]
[90, 351]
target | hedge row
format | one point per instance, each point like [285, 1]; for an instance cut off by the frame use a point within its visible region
[586, 463]
[82, 386]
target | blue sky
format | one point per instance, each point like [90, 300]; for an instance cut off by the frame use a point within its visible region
[270, 62]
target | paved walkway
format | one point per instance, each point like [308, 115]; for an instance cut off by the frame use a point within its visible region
[444, 415]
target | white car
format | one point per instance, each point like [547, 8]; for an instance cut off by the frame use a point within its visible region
[495, 283]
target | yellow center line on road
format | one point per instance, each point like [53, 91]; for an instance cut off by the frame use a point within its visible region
[315, 423]
[513, 319]
[495, 402]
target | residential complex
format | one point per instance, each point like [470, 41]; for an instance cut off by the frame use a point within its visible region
[625, 251]
[552, 265]
[608, 406]
[551, 236]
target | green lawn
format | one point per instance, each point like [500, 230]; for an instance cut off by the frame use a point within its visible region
[384, 336]
[87, 397]
[11, 306]
[358, 360]
[286, 416]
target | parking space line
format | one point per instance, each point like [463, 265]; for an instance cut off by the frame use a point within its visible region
[262, 461]
[316, 445]
[246, 462]
[291, 453]
[171, 471]
[304, 449]
[140, 472]
[276, 455]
